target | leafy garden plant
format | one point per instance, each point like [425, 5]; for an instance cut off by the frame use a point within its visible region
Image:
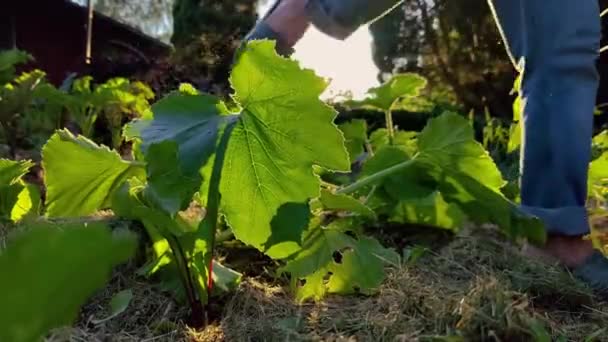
[33, 108]
[253, 167]
[116, 100]
[49, 269]
[256, 162]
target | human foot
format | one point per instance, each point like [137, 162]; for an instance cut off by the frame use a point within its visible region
[587, 264]
[569, 251]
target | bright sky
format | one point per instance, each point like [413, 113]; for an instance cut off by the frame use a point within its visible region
[347, 64]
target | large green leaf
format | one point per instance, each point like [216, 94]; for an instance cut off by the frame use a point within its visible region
[448, 141]
[191, 121]
[360, 265]
[81, 176]
[384, 97]
[410, 196]
[412, 182]
[485, 205]
[432, 210]
[168, 187]
[283, 130]
[48, 272]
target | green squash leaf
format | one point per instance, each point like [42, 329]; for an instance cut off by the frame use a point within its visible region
[361, 268]
[384, 97]
[484, 205]
[318, 247]
[411, 183]
[361, 264]
[432, 210]
[410, 196]
[50, 271]
[168, 187]
[81, 176]
[448, 141]
[283, 130]
[191, 121]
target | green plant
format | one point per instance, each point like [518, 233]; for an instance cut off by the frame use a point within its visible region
[117, 99]
[16, 99]
[256, 161]
[18, 199]
[9, 59]
[31, 108]
[127, 100]
[393, 94]
[442, 169]
[50, 270]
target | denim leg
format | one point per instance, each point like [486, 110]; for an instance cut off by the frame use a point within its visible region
[555, 45]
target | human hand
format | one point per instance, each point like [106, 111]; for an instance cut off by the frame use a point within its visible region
[286, 22]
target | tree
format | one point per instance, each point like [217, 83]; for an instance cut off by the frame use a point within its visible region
[455, 44]
[207, 33]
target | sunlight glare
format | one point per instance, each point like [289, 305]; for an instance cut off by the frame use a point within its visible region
[348, 65]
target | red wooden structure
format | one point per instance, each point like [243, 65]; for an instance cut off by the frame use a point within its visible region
[55, 33]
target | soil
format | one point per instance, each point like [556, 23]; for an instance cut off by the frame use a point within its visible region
[474, 287]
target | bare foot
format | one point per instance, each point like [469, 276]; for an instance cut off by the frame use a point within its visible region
[290, 20]
[570, 251]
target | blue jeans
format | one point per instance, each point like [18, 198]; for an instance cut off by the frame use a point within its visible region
[554, 44]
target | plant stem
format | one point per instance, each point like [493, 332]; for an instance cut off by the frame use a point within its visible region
[181, 262]
[376, 177]
[390, 127]
[208, 228]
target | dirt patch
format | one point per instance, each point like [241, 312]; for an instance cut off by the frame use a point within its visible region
[151, 316]
[477, 288]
